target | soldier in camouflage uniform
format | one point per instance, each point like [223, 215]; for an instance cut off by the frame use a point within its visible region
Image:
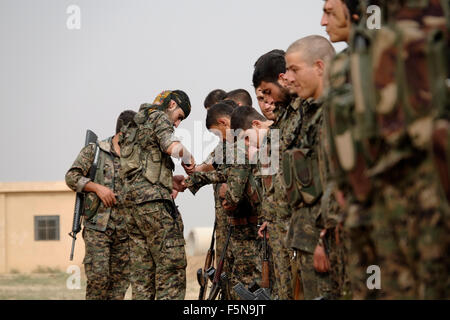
[338, 21]
[218, 121]
[158, 258]
[106, 260]
[388, 167]
[306, 63]
[240, 203]
[269, 78]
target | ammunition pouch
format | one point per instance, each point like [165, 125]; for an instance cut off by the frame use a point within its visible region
[301, 177]
[130, 162]
[97, 215]
[139, 154]
[158, 167]
[91, 205]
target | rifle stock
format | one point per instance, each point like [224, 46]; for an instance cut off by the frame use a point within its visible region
[217, 276]
[265, 283]
[203, 274]
[298, 292]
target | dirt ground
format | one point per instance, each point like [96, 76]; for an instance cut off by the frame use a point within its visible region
[52, 286]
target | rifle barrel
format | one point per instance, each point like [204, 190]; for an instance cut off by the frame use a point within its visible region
[73, 248]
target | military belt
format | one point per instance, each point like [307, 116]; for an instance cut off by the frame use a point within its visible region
[243, 221]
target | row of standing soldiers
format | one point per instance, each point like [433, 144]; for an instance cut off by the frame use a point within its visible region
[355, 197]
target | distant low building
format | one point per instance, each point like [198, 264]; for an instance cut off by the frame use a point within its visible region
[35, 219]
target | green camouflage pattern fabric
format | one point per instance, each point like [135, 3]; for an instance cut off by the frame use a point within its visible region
[157, 253]
[244, 258]
[221, 217]
[244, 255]
[397, 217]
[275, 207]
[315, 284]
[358, 249]
[307, 220]
[409, 216]
[106, 258]
[303, 232]
[154, 136]
[279, 256]
[332, 215]
[289, 126]
[106, 265]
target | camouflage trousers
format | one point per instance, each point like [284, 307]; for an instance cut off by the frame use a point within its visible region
[282, 263]
[221, 234]
[314, 284]
[337, 255]
[411, 236]
[406, 237]
[361, 254]
[244, 257]
[157, 253]
[106, 264]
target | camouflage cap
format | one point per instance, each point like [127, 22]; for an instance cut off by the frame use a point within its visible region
[180, 97]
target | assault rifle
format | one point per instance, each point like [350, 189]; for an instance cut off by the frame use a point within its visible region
[256, 293]
[218, 282]
[91, 137]
[204, 274]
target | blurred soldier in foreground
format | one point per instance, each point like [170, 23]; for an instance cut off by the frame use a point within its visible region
[384, 133]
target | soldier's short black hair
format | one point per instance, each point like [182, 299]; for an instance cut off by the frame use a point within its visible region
[354, 7]
[242, 118]
[274, 51]
[268, 67]
[231, 103]
[125, 118]
[214, 97]
[240, 96]
[217, 111]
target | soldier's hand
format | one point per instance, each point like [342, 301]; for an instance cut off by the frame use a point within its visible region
[228, 206]
[106, 195]
[339, 195]
[178, 183]
[261, 229]
[223, 190]
[321, 262]
[189, 168]
[174, 194]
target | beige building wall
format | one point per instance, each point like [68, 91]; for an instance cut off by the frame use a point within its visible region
[19, 204]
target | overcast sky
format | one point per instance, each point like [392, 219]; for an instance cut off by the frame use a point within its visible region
[55, 83]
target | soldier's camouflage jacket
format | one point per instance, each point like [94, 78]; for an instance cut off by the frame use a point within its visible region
[98, 217]
[243, 180]
[147, 169]
[288, 123]
[302, 180]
